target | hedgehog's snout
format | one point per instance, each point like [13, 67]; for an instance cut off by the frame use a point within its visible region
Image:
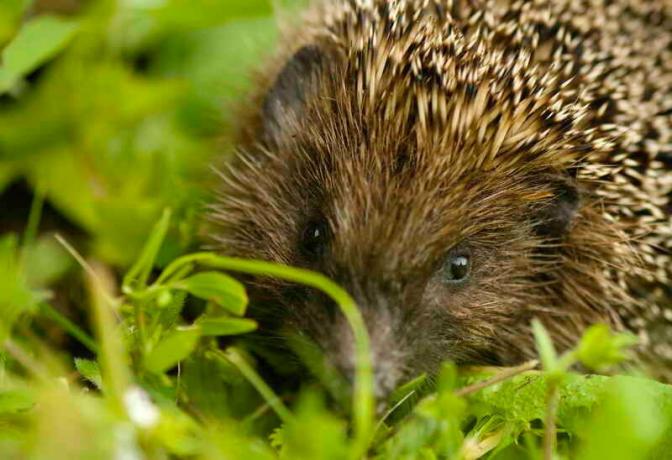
[387, 354]
[386, 375]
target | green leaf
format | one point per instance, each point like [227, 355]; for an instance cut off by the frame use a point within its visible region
[522, 399]
[139, 272]
[225, 326]
[172, 349]
[600, 348]
[545, 348]
[218, 288]
[90, 371]
[65, 179]
[277, 438]
[414, 385]
[38, 40]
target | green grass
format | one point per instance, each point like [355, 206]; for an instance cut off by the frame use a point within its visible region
[109, 118]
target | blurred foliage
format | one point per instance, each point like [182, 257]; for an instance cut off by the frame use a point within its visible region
[116, 112]
[126, 346]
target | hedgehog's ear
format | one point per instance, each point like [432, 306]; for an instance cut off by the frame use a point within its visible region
[286, 100]
[555, 219]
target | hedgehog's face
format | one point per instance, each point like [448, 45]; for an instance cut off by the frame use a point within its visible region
[446, 260]
[440, 271]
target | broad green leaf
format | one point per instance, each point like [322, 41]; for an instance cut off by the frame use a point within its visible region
[225, 326]
[38, 41]
[172, 349]
[67, 184]
[90, 371]
[218, 288]
[522, 399]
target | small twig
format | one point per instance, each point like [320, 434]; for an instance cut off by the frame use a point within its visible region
[75, 255]
[88, 269]
[500, 377]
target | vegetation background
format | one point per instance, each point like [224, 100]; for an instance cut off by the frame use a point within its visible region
[120, 341]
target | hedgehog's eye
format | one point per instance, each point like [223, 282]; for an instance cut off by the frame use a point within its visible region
[315, 238]
[457, 267]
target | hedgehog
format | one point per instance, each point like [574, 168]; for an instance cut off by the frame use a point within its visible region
[460, 167]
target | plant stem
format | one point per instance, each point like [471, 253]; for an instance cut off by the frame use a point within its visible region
[141, 339]
[138, 274]
[116, 375]
[34, 218]
[70, 327]
[552, 400]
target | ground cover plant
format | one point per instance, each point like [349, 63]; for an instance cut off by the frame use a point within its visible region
[121, 338]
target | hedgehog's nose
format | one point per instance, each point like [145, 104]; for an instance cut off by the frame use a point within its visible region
[385, 380]
[386, 371]
[386, 350]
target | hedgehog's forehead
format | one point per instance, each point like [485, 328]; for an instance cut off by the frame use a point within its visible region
[385, 186]
[411, 218]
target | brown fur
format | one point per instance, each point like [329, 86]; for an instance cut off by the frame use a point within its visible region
[414, 127]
